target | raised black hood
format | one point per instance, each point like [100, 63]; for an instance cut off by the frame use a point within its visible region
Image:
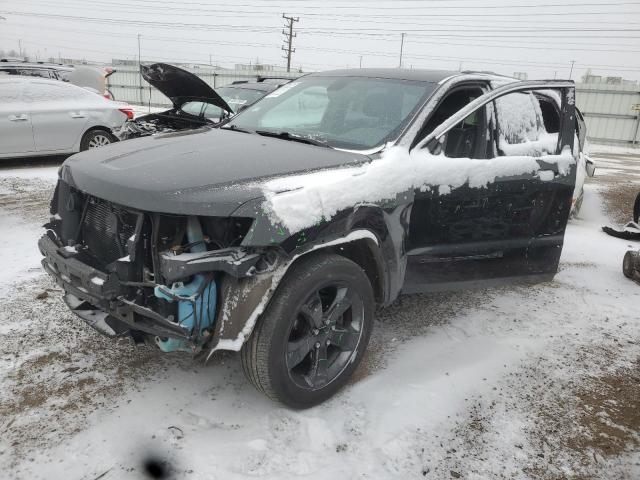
[181, 86]
[199, 172]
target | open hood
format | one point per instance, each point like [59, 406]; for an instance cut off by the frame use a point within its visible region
[181, 86]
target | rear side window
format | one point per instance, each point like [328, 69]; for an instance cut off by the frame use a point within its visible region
[521, 127]
[35, 72]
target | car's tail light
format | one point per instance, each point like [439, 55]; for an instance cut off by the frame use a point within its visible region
[128, 112]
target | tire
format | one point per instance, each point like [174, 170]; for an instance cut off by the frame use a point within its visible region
[314, 332]
[629, 264]
[96, 139]
[636, 209]
[578, 205]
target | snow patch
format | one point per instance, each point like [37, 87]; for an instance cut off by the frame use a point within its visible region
[300, 201]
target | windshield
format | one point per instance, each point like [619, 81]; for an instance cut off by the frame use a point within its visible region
[356, 113]
[235, 97]
[238, 97]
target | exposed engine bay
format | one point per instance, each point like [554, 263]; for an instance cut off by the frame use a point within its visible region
[151, 276]
[170, 121]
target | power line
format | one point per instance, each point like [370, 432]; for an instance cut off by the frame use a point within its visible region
[539, 45]
[337, 31]
[369, 6]
[145, 4]
[217, 13]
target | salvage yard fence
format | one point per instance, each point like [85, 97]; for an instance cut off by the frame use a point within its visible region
[612, 112]
[127, 85]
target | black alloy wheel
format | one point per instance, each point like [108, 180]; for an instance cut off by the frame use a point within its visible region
[325, 335]
[314, 332]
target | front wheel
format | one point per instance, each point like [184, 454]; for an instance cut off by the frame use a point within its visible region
[96, 139]
[314, 332]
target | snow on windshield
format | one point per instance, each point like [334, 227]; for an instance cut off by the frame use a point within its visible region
[300, 201]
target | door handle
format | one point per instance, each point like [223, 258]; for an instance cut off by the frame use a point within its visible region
[546, 175]
[18, 118]
[77, 115]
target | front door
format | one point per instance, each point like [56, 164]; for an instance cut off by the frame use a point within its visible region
[506, 223]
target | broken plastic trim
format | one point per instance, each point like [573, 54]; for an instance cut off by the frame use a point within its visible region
[234, 261]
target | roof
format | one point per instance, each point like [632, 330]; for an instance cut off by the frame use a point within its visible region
[42, 66]
[28, 79]
[432, 76]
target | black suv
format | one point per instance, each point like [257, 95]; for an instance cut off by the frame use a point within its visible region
[279, 233]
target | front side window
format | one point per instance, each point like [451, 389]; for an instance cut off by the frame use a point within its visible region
[468, 139]
[344, 112]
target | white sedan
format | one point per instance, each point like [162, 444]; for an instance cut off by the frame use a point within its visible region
[50, 117]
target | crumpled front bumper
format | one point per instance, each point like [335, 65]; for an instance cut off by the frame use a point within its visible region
[246, 280]
[94, 296]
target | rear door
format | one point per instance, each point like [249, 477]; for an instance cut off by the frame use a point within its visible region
[15, 120]
[512, 227]
[59, 114]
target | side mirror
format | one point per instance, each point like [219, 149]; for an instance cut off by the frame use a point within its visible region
[435, 145]
[590, 166]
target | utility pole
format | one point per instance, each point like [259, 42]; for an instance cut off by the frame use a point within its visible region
[20, 47]
[571, 71]
[401, 48]
[210, 61]
[360, 61]
[289, 36]
[139, 72]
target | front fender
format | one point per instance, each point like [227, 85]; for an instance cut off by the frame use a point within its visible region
[244, 299]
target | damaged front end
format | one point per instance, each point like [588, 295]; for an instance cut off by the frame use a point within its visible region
[180, 282]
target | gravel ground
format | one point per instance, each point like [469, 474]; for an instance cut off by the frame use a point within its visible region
[518, 382]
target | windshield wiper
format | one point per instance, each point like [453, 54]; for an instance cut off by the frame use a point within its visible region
[293, 137]
[235, 129]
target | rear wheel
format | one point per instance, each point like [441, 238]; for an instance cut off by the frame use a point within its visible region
[629, 263]
[314, 332]
[96, 139]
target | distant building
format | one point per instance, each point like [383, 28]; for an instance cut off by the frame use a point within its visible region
[259, 67]
[588, 77]
[520, 75]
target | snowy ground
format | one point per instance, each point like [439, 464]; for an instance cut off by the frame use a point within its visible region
[517, 382]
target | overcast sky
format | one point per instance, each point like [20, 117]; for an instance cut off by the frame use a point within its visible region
[498, 35]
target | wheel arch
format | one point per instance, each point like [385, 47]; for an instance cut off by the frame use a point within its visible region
[365, 253]
[98, 127]
[237, 323]
[94, 128]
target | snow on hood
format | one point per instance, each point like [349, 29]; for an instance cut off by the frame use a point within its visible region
[301, 201]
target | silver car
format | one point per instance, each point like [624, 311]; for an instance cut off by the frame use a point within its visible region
[49, 117]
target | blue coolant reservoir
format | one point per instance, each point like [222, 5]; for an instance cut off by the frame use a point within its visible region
[196, 299]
